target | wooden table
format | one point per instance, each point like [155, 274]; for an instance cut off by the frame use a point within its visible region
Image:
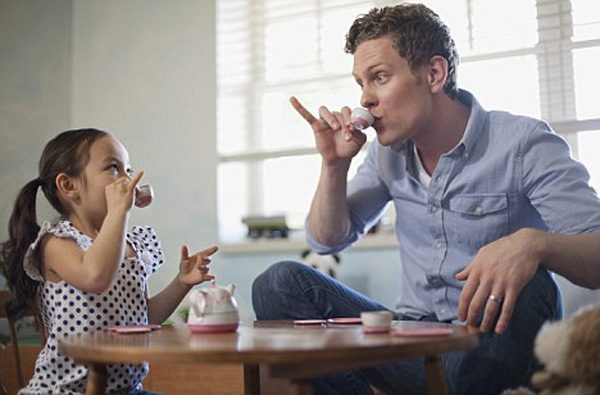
[294, 353]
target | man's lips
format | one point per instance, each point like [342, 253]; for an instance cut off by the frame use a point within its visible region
[378, 123]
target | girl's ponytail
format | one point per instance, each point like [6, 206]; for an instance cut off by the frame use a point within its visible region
[66, 153]
[22, 230]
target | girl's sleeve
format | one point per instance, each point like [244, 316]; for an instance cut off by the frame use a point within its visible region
[57, 229]
[152, 253]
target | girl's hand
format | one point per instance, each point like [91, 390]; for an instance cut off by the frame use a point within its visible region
[194, 269]
[121, 192]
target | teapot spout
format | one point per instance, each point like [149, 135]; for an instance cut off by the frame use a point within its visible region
[230, 288]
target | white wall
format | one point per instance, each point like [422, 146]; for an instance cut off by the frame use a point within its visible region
[145, 70]
[35, 84]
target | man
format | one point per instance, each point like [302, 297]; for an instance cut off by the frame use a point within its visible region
[487, 204]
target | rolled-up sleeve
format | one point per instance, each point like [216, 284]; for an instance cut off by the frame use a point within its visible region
[558, 185]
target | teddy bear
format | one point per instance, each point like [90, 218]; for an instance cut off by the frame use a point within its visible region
[327, 264]
[570, 353]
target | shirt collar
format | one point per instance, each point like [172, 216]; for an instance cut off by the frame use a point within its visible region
[476, 121]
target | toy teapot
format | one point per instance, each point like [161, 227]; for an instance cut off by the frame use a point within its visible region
[213, 309]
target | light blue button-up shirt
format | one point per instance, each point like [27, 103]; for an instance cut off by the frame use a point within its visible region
[508, 172]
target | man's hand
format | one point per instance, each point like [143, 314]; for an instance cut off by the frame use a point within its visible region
[495, 278]
[336, 139]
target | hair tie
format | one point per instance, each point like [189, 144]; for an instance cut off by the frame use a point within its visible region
[39, 182]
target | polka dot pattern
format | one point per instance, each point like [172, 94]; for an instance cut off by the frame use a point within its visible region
[67, 311]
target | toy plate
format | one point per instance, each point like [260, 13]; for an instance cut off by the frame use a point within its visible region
[345, 321]
[134, 328]
[309, 322]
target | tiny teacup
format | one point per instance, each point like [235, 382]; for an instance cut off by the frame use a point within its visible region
[143, 195]
[376, 321]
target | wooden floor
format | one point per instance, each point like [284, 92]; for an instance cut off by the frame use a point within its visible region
[167, 379]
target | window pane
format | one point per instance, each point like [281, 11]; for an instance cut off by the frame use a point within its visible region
[586, 18]
[335, 26]
[291, 48]
[283, 127]
[586, 63]
[234, 50]
[232, 181]
[587, 147]
[509, 84]
[289, 186]
[232, 123]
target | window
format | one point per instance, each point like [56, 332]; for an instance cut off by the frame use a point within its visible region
[269, 50]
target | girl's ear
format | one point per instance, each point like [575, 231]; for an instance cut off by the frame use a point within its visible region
[437, 73]
[67, 186]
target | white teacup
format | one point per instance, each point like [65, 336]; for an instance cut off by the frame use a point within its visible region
[376, 321]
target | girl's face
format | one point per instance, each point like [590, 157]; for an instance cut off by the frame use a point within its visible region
[399, 100]
[108, 160]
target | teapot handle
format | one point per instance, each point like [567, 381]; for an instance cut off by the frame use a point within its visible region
[198, 304]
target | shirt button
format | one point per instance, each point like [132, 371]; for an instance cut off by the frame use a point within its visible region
[439, 244]
[438, 178]
[478, 210]
[433, 209]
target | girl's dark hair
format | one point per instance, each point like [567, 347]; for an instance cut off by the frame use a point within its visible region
[68, 153]
[418, 34]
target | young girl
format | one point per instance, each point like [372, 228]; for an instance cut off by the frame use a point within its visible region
[84, 268]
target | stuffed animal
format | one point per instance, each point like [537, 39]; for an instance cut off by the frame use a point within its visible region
[327, 264]
[570, 353]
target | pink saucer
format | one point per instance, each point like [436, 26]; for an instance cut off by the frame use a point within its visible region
[345, 321]
[216, 328]
[309, 322]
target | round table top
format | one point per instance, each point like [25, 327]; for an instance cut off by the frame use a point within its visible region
[265, 342]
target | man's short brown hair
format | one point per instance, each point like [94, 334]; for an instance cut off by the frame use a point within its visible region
[418, 34]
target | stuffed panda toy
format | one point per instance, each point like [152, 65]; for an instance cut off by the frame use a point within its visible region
[327, 264]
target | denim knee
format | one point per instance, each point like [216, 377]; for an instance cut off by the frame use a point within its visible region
[276, 276]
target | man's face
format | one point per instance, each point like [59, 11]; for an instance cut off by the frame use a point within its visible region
[399, 100]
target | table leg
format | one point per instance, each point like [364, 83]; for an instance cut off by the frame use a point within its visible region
[96, 380]
[434, 374]
[251, 379]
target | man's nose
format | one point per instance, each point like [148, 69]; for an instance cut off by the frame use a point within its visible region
[368, 99]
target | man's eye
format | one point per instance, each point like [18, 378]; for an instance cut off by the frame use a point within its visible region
[381, 78]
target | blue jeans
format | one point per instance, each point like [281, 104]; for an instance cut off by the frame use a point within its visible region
[292, 290]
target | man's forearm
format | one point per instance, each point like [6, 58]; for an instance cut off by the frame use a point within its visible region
[328, 218]
[575, 257]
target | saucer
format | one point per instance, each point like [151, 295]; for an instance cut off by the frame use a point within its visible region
[345, 321]
[213, 328]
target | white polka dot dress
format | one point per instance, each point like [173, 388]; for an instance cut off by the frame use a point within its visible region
[67, 311]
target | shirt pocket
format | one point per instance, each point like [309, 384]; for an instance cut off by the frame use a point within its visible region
[476, 220]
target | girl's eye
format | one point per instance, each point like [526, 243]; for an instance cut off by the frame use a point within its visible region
[114, 168]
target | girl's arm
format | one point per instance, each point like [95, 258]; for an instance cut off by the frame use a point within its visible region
[93, 270]
[192, 270]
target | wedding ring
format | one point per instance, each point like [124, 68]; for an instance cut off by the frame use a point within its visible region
[494, 298]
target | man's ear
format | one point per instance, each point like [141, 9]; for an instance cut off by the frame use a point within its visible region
[67, 186]
[437, 73]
